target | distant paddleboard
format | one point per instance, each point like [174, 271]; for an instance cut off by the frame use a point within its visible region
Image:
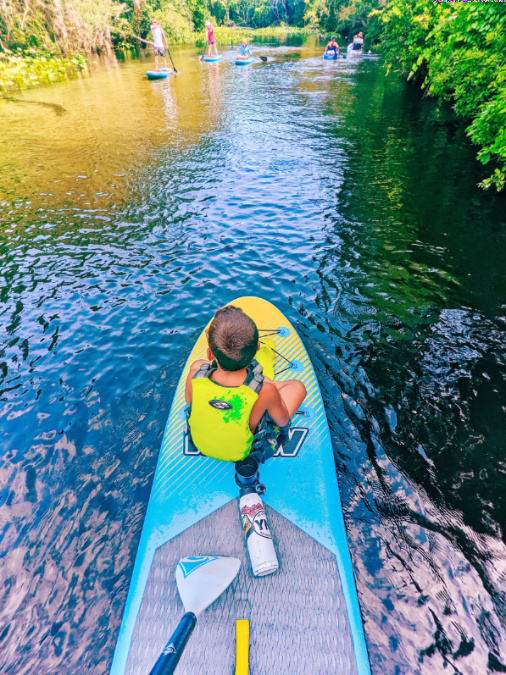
[212, 59]
[243, 62]
[159, 74]
[305, 618]
[330, 57]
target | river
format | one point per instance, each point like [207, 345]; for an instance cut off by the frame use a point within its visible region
[130, 210]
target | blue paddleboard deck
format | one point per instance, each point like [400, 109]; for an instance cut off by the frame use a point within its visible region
[212, 59]
[243, 62]
[305, 617]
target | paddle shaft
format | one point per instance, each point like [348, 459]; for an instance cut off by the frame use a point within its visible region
[145, 41]
[169, 658]
[153, 44]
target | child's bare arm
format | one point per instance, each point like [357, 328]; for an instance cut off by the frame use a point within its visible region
[188, 387]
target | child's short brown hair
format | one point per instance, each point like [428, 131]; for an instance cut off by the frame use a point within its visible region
[233, 338]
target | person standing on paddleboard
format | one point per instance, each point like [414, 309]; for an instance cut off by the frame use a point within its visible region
[235, 410]
[159, 41]
[211, 40]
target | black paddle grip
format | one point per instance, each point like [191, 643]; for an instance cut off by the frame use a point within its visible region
[169, 658]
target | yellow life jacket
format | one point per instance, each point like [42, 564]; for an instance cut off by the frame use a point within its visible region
[219, 416]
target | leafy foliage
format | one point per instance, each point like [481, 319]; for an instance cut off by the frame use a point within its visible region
[346, 17]
[66, 27]
[457, 52]
[69, 26]
[20, 72]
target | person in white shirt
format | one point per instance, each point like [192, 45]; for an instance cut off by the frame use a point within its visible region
[159, 42]
[358, 42]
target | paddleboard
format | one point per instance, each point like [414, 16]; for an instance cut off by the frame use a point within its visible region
[158, 74]
[243, 62]
[212, 59]
[327, 57]
[304, 618]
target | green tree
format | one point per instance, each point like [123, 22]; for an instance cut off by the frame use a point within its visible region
[457, 52]
[346, 17]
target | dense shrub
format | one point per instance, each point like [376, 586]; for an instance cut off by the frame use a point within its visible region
[457, 52]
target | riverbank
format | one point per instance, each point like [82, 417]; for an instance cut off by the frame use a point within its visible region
[24, 71]
[234, 35]
[456, 53]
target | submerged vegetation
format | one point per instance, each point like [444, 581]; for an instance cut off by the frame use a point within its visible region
[19, 72]
[456, 52]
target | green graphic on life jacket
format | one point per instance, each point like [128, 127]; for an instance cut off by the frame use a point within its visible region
[235, 413]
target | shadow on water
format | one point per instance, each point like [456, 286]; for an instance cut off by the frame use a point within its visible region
[420, 348]
[58, 109]
[338, 194]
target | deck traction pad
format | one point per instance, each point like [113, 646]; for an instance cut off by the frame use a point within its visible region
[298, 618]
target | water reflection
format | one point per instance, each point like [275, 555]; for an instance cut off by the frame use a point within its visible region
[423, 377]
[330, 191]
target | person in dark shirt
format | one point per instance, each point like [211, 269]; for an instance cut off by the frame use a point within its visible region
[332, 49]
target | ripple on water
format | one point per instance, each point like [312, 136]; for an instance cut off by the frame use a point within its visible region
[324, 188]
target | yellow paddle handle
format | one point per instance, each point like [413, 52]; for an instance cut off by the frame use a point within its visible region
[241, 646]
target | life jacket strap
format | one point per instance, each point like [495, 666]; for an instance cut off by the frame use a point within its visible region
[254, 378]
[206, 369]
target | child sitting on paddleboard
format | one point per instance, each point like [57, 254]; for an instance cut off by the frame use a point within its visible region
[244, 50]
[211, 40]
[235, 410]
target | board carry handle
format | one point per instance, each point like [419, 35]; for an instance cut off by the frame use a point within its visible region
[241, 647]
[169, 658]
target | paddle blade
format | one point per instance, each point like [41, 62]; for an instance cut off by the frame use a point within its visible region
[200, 580]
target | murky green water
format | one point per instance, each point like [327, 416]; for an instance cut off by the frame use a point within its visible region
[133, 211]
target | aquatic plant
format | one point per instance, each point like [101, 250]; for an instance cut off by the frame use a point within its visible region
[22, 71]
